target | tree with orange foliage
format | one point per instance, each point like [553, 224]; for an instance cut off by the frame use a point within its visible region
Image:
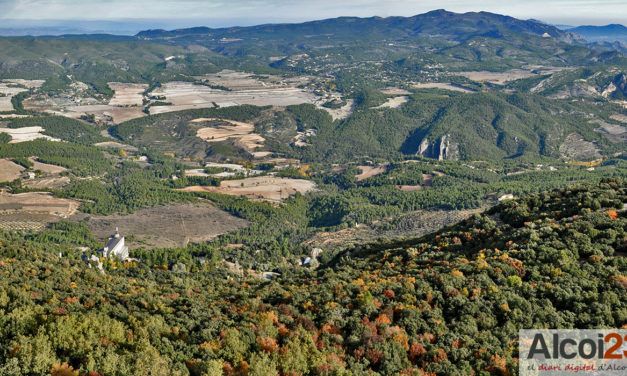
[63, 369]
[383, 319]
[267, 344]
[613, 214]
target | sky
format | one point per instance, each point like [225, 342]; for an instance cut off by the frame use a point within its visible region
[220, 13]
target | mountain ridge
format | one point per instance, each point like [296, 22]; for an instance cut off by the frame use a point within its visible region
[482, 19]
[609, 33]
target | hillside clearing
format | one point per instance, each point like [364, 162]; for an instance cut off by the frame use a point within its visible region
[33, 211]
[10, 88]
[370, 171]
[395, 91]
[242, 88]
[342, 112]
[127, 94]
[47, 168]
[265, 188]
[26, 134]
[9, 170]
[394, 102]
[227, 129]
[440, 85]
[167, 226]
[499, 78]
[103, 112]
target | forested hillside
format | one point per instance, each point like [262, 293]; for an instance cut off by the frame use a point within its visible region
[344, 197]
[449, 303]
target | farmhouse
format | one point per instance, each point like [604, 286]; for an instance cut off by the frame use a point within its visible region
[115, 247]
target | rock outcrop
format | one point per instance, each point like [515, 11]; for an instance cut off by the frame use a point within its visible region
[442, 148]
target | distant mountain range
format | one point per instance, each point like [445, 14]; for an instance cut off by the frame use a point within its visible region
[608, 33]
[435, 23]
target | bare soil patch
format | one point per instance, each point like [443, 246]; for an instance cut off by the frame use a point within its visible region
[243, 88]
[227, 129]
[47, 168]
[116, 145]
[102, 112]
[10, 88]
[613, 132]
[29, 84]
[48, 182]
[33, 210]
[9, 170]
[26, 134]
[342, 112]
[198, 172]
[409, 188]
[395, 102]
[13, 116]
[77, 101]
[441, 85]
[266, 188]
[370, 171]
[50, 179]
[499, 78]
[127, 94]
[427, 179]
[395, 91]
[411, 225]
[575, 147]
[167, 226]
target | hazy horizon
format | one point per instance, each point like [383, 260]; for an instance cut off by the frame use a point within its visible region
[124, 17]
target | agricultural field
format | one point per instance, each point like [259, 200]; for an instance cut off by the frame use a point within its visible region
[47, 182]
[228, 89]
[223, 130]
[26, 134]
[394, 102]
[613, 132]
[262, 188]
[127, 95]
[77, 100]
[498, 78]
[167, 226]
[13, 116]
[502, 78]
[441, 85]
[10, 88]
[50, 176]
[47, 168]
[370, 171]
[103, 112]
[116, 146]
[33, 211]
[9, 170]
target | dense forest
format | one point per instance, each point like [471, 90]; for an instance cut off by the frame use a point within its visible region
[424, 306]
